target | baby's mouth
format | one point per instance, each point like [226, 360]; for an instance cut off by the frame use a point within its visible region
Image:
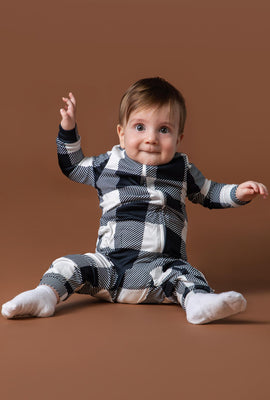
[151, 150]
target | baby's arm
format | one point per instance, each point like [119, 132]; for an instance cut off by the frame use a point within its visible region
[71, 159]
[68, 113]
[247, 191]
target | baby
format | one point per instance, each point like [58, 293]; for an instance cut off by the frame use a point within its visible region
[142, 185]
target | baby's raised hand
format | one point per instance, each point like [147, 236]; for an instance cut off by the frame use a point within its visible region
[68, 113]
[249, 190]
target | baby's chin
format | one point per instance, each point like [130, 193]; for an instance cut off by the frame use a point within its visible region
[151, 159]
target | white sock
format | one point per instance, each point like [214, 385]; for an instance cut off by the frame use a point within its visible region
[202, 308]
[39, 302]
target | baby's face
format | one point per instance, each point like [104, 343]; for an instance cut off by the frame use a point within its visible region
[150, 136]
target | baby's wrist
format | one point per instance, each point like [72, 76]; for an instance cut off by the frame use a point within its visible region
[235, 196]
[66, 126]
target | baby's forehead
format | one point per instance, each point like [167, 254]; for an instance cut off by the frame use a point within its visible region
[167, 111]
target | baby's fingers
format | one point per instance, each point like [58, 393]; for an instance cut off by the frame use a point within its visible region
[258, 189]
[63, 113]
[68, 102]
[68, 113]
[263, 190]
[72, 98]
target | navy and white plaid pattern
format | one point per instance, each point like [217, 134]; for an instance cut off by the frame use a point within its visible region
[141, 247]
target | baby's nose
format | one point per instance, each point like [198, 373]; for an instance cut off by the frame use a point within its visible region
[151, 137]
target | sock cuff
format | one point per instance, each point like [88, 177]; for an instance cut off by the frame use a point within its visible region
[192, 293]
[48, 290]
[57, 283]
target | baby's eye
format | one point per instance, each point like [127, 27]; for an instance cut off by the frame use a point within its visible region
[164, 129]
[139, 127]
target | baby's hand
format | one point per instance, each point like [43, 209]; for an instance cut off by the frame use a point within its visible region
[249, 190]
[68, 112]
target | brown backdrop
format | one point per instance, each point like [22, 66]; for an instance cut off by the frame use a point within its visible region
[215, 52]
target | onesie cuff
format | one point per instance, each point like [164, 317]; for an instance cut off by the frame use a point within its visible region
[235, 199]
[68, 136]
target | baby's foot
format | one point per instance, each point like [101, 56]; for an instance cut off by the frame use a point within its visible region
[39, 302]
[202, 308]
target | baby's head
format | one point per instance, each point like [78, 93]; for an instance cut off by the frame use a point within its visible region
[151, 121]
[150, 92]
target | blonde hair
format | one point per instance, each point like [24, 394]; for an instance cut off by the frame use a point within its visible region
[152, 91]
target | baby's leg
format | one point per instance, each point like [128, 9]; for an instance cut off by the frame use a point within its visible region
[74, 273]
[199, 301]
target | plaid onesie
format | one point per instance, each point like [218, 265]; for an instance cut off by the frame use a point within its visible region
[140, 254]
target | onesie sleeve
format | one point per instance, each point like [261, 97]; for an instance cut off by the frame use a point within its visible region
[208, 193]
[72, 161]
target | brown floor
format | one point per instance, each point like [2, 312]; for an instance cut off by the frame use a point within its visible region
[92, 349]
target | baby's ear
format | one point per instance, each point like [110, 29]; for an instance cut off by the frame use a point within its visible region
[121, 135]
[180, 138]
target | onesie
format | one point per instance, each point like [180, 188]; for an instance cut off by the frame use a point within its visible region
[140, 254]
